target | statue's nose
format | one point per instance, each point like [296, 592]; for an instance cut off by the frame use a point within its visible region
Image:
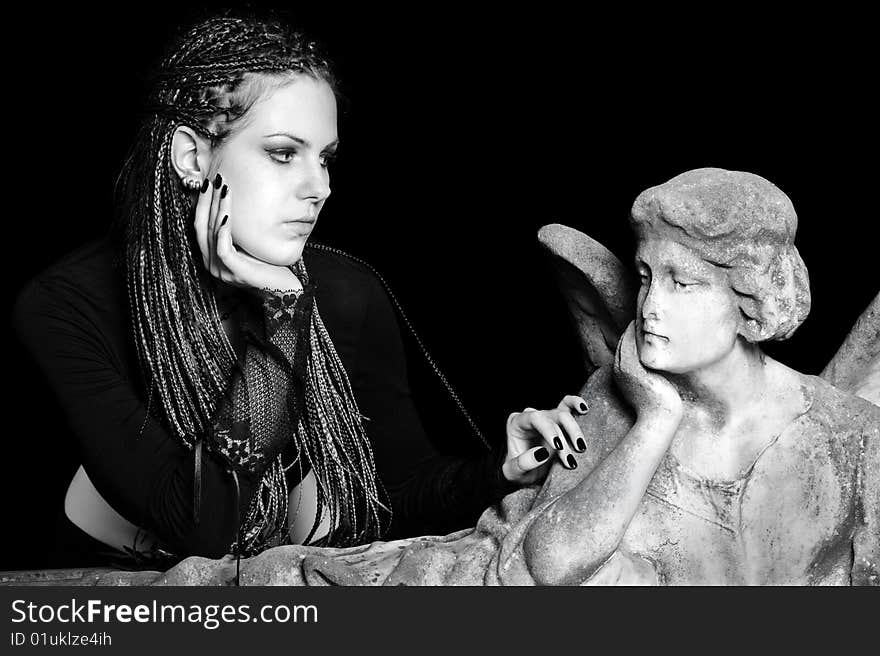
[649, 305]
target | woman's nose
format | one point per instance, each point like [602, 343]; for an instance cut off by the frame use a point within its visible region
[315, 185]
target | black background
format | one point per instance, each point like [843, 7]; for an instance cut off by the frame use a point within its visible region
[464, 132]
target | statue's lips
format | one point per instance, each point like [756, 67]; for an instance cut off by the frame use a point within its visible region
[648, 332]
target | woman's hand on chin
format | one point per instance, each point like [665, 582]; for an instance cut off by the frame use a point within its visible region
[222, 259]
[536, 437]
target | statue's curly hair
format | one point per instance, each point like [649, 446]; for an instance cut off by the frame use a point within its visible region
[744, 224]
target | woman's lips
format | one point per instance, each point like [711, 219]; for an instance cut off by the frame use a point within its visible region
[300, 227]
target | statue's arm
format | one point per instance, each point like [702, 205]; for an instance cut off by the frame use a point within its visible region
[579, 530]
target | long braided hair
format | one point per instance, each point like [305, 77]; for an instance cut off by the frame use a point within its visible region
[208, 81]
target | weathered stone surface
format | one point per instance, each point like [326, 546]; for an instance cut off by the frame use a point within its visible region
[76, 576]
[743, 223]
[805, 530]
[599, 291]
[856, 365]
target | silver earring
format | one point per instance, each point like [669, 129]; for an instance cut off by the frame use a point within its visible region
[191, 183]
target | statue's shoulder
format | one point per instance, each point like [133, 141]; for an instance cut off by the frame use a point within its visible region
[838, 413]
[839, 434]
[851, 427]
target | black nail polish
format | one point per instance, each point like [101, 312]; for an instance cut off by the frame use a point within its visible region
[218, 180]
[223, 222]
[557, 443]
[572, 463]
[583, 407]
[542, 454]
[223, 191]
[582, 446]
[205, 185]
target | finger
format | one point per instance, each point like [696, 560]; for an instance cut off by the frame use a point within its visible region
[531, 459]
[541, 423]
[221, 215]
[634, 348]
[222, 206]
[618, 350]
[575, 435]
[518, 424]
[228, 264]
[203, 209]
[552, 434]
[574, 404]
[213, 220]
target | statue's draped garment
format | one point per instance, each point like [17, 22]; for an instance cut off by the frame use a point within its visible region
[806, 511]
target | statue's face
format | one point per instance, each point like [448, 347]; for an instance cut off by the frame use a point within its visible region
[687, 317]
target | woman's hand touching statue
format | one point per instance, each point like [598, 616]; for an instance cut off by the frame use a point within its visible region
[533, 435]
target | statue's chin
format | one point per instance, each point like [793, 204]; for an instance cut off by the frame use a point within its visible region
[661, 363]
[651, 357]
[652, 366]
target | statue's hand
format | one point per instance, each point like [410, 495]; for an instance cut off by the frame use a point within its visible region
[650, 394]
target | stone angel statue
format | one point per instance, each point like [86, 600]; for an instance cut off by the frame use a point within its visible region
[708, 462]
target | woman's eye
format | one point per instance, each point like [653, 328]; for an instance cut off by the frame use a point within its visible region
[326, 159]
[282, 156]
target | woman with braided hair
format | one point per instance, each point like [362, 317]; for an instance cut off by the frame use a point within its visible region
[217, 409]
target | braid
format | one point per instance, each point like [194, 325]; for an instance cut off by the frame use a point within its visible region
[204, 83]
[200, 83]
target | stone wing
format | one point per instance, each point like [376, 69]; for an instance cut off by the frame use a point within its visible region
[855, 368]
[599, 290]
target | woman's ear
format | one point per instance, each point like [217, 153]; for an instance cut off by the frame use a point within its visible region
[190, 155]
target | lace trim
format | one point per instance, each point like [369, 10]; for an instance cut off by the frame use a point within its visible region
[279, 306]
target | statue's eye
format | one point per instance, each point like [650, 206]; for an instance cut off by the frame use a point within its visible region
[682, 285]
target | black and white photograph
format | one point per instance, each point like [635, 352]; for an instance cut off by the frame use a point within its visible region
[432, 296]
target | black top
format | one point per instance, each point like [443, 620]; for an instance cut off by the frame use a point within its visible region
[73, 318]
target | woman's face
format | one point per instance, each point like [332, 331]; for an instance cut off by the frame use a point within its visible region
[276, 168]
[687, 315]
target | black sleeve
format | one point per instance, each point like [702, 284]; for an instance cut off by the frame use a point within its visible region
[140, 469]
[430, 493]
